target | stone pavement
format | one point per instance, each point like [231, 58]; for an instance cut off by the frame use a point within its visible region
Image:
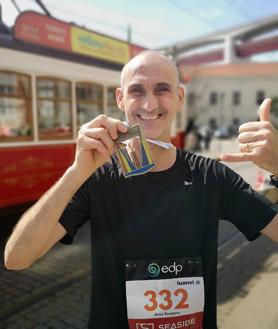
[244, 273]
[52, 294]
[259, 309]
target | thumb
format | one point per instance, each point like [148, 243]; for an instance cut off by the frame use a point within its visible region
[264, 110]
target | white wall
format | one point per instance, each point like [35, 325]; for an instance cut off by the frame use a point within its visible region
[224, 111]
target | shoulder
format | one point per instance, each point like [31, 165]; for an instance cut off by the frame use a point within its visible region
[196, 161]
[206, 169]
[200, 164]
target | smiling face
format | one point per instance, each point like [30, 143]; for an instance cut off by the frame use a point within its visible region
[150, 94]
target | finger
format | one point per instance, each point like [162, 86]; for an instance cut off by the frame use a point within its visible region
[236, 157]
[252, 147]
[90, 144]
[252, 136]
[254, 126]
[101, 134]
[112, 125]
[264, 110]
[102, 150]
[245, 147]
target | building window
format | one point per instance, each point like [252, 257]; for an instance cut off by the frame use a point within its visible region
[15, 106]
[54, 108]
[260, 97]
[236, 98]
[89, 101]
[213, 98]
[112, 108]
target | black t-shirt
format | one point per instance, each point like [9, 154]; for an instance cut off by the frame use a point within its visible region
[159, 215]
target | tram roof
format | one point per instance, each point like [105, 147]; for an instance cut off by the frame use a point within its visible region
[8, 41]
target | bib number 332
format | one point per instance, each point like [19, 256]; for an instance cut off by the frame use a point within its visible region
[168, 302]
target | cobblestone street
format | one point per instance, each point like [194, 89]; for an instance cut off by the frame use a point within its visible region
[54, 293]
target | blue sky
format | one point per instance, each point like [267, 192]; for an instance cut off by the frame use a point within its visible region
[154, 23]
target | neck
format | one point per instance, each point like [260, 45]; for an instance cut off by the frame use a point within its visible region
[162, 158]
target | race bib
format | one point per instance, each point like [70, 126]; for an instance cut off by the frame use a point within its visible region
[165, 294]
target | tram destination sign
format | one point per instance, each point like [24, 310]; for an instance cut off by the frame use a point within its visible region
[39, 29]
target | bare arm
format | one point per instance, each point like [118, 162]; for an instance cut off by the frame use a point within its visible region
[39, 228]
[271, 230]
[39, 225]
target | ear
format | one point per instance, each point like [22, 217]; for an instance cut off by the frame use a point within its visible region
[119, 99]
[181, 97]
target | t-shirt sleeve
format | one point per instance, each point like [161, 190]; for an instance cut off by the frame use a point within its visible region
[75, 214]
[248, 210]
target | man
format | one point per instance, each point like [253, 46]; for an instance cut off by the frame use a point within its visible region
[154, 236]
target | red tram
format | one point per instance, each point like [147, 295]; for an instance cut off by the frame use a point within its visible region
[53, 78]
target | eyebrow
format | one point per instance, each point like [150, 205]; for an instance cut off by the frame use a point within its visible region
[163, 84]
[135, 85]
[159, 84]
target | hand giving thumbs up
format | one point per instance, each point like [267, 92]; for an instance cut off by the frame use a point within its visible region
[258, 142]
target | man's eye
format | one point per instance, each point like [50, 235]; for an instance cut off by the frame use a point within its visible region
[136, 91]
[162, 90]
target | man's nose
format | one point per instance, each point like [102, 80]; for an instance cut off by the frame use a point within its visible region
[150, 102]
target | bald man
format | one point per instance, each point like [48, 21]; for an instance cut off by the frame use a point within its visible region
[153, 236]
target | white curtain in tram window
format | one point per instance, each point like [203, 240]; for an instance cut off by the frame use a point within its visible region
[8, 83]
[87, 112]
[46, 88]
[12, 116]
[63, 115]
[63, 88]
[46, 114]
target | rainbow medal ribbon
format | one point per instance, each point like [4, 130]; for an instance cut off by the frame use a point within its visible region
[131, 163]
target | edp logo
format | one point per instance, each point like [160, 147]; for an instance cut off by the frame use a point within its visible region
[154, 269]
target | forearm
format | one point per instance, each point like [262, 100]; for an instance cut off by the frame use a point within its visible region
[33, 231]
[38, 229]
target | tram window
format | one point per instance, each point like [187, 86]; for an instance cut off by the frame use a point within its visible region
[54, 108]
[112, 108]
[15, 107]
[89, 101]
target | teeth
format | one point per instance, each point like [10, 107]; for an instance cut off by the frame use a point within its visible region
[148, 117]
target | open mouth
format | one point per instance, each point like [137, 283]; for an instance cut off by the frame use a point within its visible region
[149, 116]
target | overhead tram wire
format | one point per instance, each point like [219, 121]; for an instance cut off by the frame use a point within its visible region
[43, 7]
[71, 13]
[81, 15]
[191, 12]
[238, 7]
[16, 6]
